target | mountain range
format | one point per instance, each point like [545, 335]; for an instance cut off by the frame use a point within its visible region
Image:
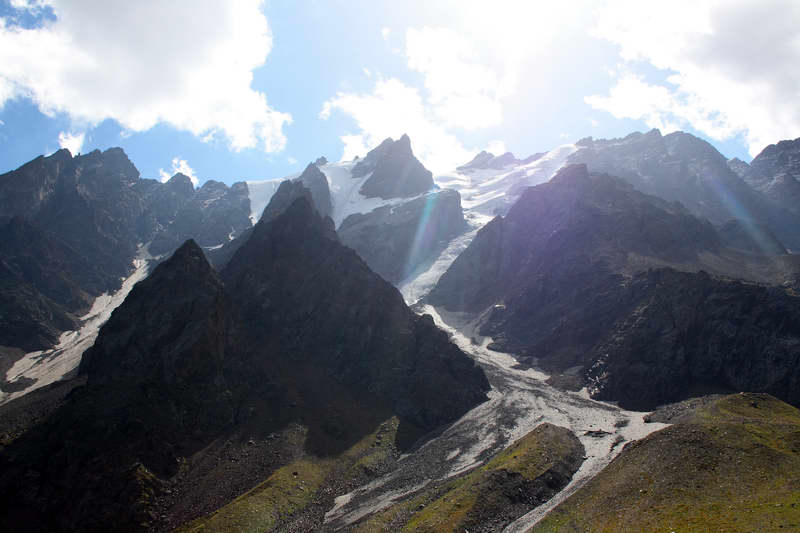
[244, 356]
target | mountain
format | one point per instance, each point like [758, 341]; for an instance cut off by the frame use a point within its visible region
[392, 171]
[489, 185]
[88, 202]
[156, 389]
[384, 206]
[212, 215]
[395, 240]
[728, 464]
[486, 160]
[574, 277]
[72, 227]
[775, 172]
[320, 312]
[193, 366]
[681, 167]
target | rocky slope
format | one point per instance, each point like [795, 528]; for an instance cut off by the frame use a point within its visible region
[775, 172]
[188, 370]
[562, 282]
[212, 215]
[681, 167]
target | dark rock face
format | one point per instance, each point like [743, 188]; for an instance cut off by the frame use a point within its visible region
[756, 239]
[686, 333]
[681, 167]
[160, 382]
[137, 345]
[336, 313]
[70, 230]
[212, 215]
[560, 271]
[302, 332]
[396, 173]
[557, 227]
[45, 283]
[29, 319]
[288, 191]
[775, 172]
[394, 240]
[72, 226]
[166, 199]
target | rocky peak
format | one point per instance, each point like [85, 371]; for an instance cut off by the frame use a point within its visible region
[486, 160]
[286, 195]
[321, 160]
[337, 315]
[181, 185]
[112, 163]
[572, 176]
[317, 183]
[479, 161]
[170, 329]
[780, 158]
[396, 173]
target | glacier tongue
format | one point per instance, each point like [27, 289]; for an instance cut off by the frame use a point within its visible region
[61, 361]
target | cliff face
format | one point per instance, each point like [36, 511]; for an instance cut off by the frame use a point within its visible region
[690, 333]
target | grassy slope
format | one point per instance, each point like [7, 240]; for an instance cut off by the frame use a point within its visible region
[478, 498]
[293, 487]
[733, 466]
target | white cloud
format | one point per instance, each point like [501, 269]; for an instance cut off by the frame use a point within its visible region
[496, 147]
[28, 4]
[178, 165]
[72, 141]
[187, 63]
[734, 66]
[385, 32]
[391, 109]
[292, 161]
[462, 91]
[366, 71]
[468, 69]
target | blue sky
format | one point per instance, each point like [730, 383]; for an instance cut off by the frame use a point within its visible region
[251, 90]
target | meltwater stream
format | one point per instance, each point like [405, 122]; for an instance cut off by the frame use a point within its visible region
[519, 401]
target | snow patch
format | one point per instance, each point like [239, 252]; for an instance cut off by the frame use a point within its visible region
[491, 191]
[345, 198]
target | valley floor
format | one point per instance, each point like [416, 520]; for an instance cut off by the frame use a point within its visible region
[519, 401]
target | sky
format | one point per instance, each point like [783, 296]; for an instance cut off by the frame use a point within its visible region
[251, 90]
